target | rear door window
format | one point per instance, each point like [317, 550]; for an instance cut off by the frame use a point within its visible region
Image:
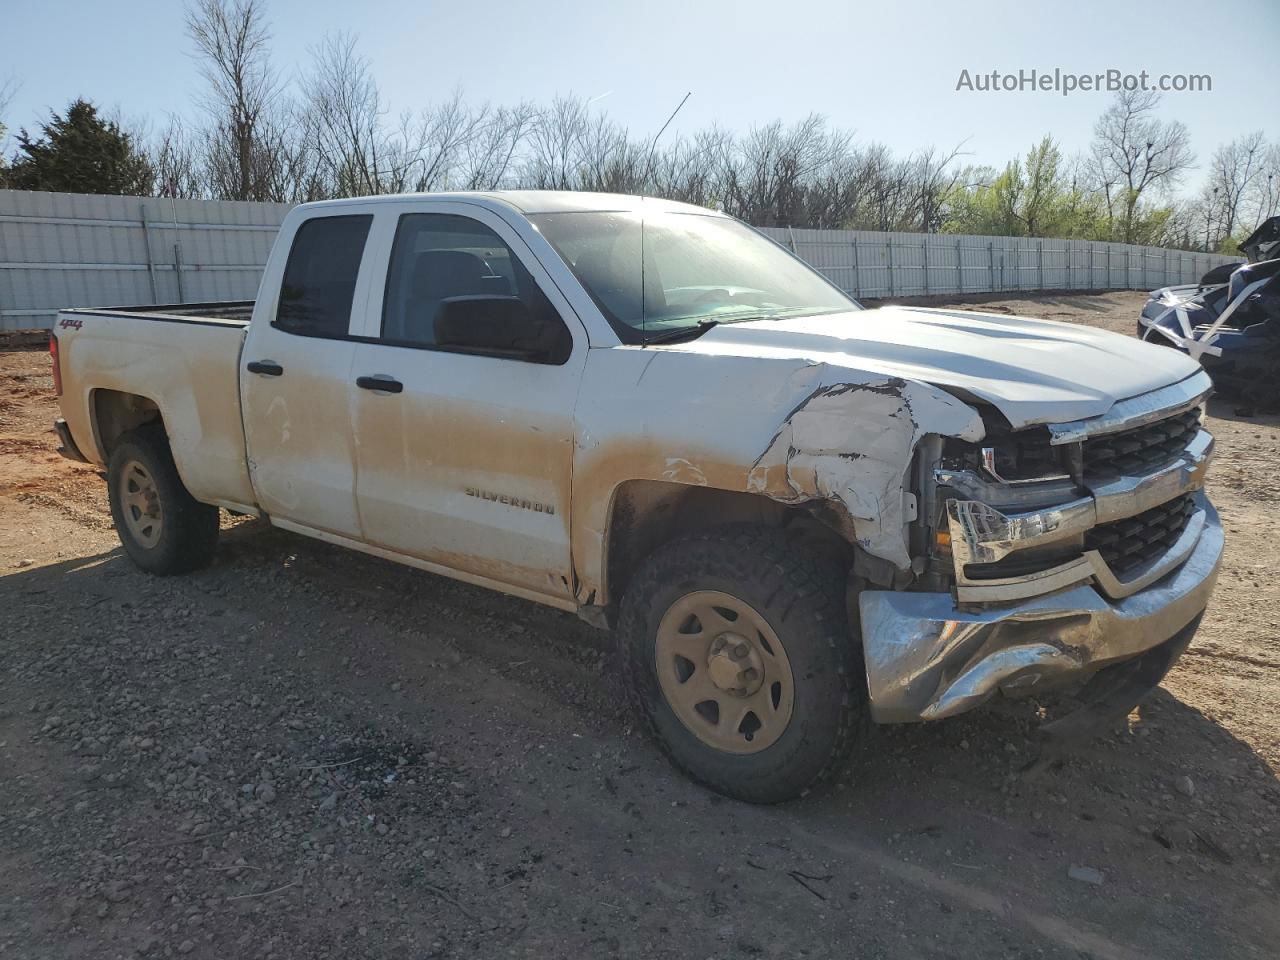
[320, 276]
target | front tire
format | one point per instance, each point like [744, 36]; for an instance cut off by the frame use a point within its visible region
[163, 529]
[737, 654]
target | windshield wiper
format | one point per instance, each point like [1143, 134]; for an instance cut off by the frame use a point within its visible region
[701, 327]
[683, 333]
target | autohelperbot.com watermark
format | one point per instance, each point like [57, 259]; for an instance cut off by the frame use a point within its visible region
[1065, 82]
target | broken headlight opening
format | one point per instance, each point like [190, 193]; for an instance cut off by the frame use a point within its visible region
[1015, 469]
[1007, 456]
[1009, 470]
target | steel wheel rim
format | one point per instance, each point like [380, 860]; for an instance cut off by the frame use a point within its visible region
[700, 662]
[140, 504]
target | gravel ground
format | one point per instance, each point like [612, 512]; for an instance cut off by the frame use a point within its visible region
[303, 752]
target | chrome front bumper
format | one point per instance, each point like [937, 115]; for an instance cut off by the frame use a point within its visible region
[928, 659]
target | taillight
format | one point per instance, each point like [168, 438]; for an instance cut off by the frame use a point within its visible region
[57, 367]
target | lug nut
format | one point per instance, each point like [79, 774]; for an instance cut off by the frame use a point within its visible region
[740, 651]
[748, 675]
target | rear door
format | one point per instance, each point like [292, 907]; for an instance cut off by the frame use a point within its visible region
[466, 465]
[296, 376]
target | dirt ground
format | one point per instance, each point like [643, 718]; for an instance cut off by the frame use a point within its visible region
[303, 752]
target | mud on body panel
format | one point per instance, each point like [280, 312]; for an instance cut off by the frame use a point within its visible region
[821, 433]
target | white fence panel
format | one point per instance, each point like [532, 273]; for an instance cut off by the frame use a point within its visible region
[75, 250]
[79, 250]
[876, 265]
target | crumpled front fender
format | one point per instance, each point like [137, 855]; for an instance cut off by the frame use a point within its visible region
[852, 443]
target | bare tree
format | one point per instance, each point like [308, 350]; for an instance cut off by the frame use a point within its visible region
[231, 38]
[435, 147]
[570, 148]
[694, 170]
[935, 176]
[1233, 175]
[838, 194]
[888, 193]
[343, 115]
[773, 165]
[487, 159]
[8, 90]
[1182, 229]
[1266, 192]
[289, 168]
[174, 157]
[1135, 154]
[610, 161]
[357, 152]
[555, 144]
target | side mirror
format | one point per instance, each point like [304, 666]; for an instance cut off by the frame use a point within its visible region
[500, 325]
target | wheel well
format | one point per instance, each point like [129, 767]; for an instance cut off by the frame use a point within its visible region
[649, 513]
[116, 413]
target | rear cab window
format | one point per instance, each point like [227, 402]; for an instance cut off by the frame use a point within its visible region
[320, 276]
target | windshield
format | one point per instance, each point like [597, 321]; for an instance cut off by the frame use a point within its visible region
[695, 269]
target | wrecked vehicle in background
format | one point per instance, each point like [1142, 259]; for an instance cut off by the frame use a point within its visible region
[791, 510]
[1230, 321]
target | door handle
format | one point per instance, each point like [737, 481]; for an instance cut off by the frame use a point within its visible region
[380, 382]
[268, 368]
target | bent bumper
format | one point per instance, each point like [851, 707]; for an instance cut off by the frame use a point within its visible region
[927, 660]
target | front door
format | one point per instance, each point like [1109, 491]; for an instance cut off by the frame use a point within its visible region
[463, 453]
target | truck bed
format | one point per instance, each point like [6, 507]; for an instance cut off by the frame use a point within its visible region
[236, 312]
[182, 358]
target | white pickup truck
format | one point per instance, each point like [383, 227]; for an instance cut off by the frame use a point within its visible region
[793, 511]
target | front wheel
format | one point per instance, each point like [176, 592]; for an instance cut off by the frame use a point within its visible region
[161, 526]
[738, 655]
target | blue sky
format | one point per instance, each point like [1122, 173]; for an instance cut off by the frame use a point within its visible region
[887, 72]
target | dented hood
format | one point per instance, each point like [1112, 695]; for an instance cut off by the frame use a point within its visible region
[1033, 371]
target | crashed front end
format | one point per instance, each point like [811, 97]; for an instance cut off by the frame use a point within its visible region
[1048, 556]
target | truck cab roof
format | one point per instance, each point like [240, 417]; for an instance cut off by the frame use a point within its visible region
[531, 201]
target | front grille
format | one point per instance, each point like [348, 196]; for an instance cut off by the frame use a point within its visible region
[1131, 543]
[1140, 450]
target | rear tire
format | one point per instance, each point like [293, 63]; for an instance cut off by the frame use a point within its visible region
[737, 618]
[163, 529]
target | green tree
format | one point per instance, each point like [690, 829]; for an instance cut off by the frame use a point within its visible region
[1025, 200]
[80, 152]
[1033, 196]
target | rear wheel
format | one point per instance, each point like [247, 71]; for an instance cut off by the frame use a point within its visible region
[161, 526]
[738, 656]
